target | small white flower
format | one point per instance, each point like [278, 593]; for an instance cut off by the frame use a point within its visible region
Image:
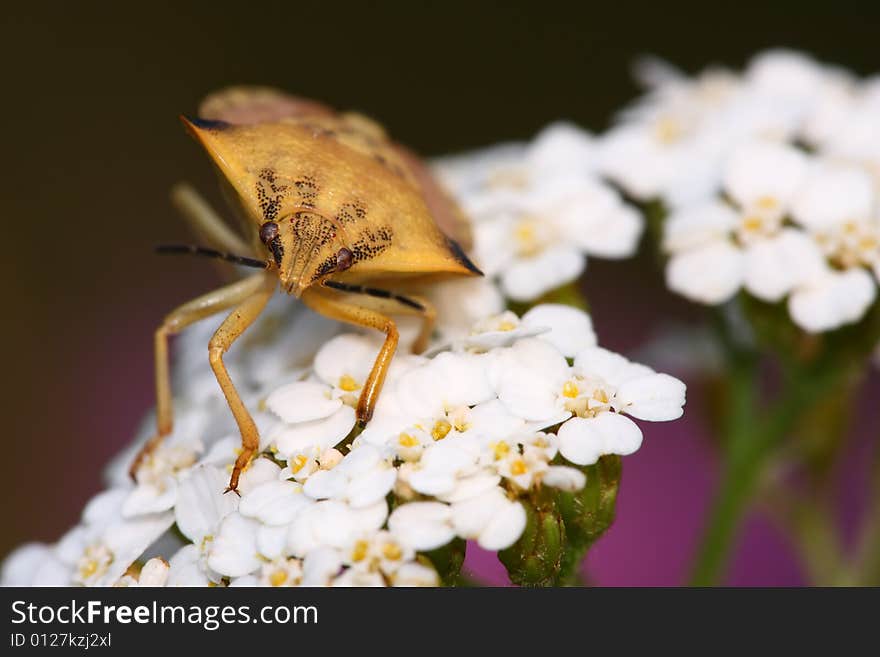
[361, 479]
[154, 573]
[334, 524]
[599, 387]
[539, 211]
[422, 525]
[156, 488]
[415, 574]
[715, 248]
[379, 552]
[492, 519]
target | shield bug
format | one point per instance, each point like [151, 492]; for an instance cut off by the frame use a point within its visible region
[334, 212]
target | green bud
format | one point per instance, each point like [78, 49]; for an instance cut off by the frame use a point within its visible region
[588, 513]
[447, 561]
[536, 558]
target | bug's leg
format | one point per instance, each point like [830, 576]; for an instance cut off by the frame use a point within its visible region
[387, 302]
[189, 313]
[205, 221]
[231, 328]
[336, 307]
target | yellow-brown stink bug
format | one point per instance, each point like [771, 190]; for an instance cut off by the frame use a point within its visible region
[334, 211]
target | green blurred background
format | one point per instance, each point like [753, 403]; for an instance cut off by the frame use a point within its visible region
[92, 144]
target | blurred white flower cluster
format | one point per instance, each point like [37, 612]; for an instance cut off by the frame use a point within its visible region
[457, 439]
[771, 179]
[539, 209]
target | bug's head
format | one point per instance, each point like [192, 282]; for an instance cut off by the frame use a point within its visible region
[305, 248]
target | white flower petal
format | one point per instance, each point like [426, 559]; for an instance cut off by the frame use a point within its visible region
[832, 300]
[571, 329]
[527, 377]
[367, 489]
[564, 478]
[764, 169]
[776, 265]
[185, 569]
[470, 487]
[447, 380]
[201, 502]
[608, 366]
[583, 440]
[695, 225]
[326, 484]
[320, 434]
[470, 517]
[233, 552]
[529, 278]
[710, 274]
[348, 354]
[614, 233]
[271, 540]
[320, 566]
[655, 397]
[273, 503]
[302, 401]
[422, 525]
[833, 195]
[504, 528]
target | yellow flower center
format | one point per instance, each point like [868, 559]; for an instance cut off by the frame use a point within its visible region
[766, 203]
[348, 383]
[278, 578]
[570, 390]
[298, 463]
[518, 467]
[88, 568]
[407, 440]
[752, 224]
[440, 430]
[668, 130]
[500, 449]
[527, 236]
[359, 553]
[392, 551]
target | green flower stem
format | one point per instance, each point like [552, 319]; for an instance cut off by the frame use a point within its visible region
[867, 562]
[809, 524]
[751, 437]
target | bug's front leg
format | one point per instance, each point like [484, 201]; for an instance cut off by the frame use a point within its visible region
[329, 304]
[231, 328]
[189, 313]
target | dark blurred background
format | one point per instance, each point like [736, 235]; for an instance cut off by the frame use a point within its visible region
[92, 143]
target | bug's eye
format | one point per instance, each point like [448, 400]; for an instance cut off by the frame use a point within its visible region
[268, 232]
[344, 259]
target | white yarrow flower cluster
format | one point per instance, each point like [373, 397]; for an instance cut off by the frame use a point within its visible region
[749, 207]
[458, 439]
[539, 209]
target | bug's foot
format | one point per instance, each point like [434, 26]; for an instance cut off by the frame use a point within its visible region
[241, 463]
[364, 415]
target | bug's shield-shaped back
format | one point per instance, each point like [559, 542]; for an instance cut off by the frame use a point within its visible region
[247, 105]
[329, 183]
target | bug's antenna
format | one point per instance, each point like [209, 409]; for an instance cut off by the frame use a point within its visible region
[211, 253]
